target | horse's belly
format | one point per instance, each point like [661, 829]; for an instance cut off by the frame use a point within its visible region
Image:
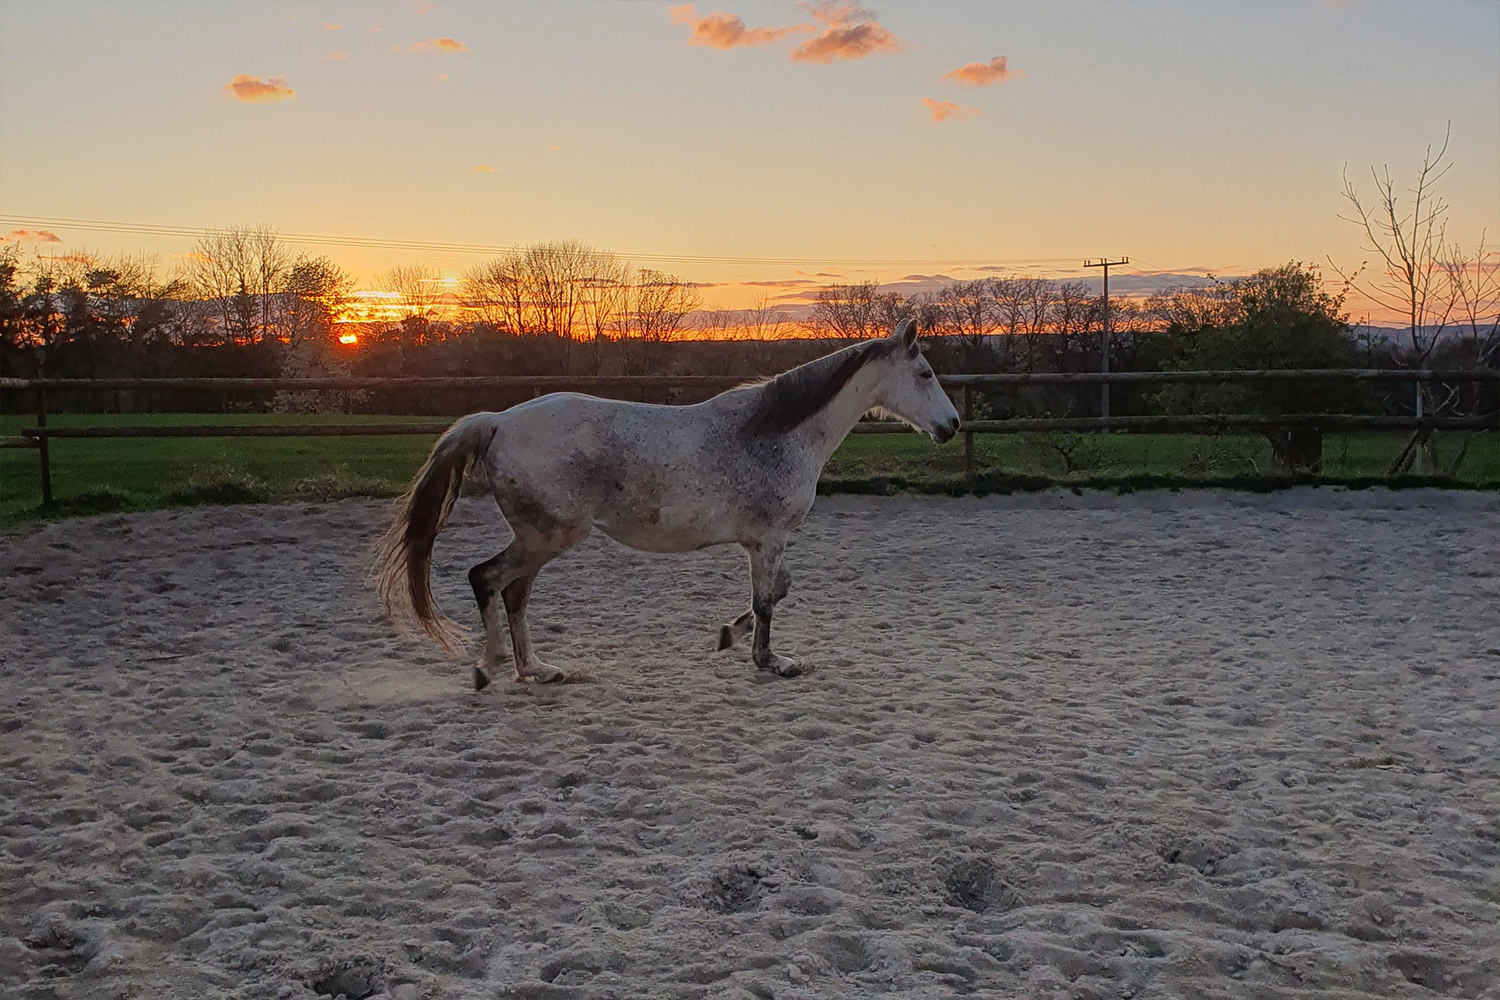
[652, 526]
[659, 538]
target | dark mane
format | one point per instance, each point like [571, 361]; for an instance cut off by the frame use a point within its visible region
[789, 399]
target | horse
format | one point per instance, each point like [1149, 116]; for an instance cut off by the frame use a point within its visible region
[741, 467]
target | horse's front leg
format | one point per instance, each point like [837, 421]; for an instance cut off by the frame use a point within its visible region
[765, 574]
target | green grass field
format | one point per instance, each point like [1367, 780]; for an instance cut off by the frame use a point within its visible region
[95, 476]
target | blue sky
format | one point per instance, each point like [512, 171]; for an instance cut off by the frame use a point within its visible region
[1182, 134]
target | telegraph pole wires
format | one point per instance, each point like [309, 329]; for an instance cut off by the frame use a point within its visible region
[1105, 263]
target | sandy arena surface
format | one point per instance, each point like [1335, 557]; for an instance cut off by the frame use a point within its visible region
[1194, 745]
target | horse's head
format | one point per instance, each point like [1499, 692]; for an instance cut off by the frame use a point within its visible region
[909, 390]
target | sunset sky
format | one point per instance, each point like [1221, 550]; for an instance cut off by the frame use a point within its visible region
[936, 138]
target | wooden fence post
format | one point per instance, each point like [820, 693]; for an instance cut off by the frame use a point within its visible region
[41, 448]
[968, 435]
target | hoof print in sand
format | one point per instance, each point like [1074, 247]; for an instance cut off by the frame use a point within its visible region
[735, 890]
[62, 951]
[1438, 974]
[1204, 854]
[355, 978]
[975, 884]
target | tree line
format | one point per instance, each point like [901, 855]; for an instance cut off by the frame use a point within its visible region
[242, 303]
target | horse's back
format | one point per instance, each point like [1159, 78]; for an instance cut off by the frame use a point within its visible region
[663, 478]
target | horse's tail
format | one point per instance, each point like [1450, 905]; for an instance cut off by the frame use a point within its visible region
[403, 554]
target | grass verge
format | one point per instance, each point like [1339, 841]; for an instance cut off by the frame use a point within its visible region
[94, 476]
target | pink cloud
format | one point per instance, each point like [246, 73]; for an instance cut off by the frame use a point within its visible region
[978, 74]
[254, 90]
[330, 26]
[338, 55]
[30, 236]
[719, 30]
[484, 168]
[943, 110]
[439, 45]
[850, 31]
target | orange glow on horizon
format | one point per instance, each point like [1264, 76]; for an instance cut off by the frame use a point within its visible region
[348, 338]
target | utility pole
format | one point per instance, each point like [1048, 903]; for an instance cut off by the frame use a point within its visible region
[1105, 263]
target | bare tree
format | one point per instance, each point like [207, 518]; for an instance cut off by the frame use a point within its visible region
[965, 310]
[495, 292]
[718, 324]
[1409, 278]
[240, 270]
[764, 320]
[222, 273]
[1037, 297]
[416, 288]
[316, 291]
[660, 303]
[554, 274]
[1074, 310]
[272, 260]
[1475, 281]
[847, 312]
[604, 294]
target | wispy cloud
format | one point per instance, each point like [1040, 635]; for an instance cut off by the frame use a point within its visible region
[978, 74]
[719, 30]
[554, 147]
[943, 110]
[254, 90]
[484, 168]
[30, 236]
[330, 26]
[850, 31]
[338, 55]
[439, 45]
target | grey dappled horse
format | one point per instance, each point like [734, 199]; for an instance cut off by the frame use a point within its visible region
[740, 467]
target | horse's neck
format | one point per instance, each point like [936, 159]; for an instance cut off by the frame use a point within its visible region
[827, 428]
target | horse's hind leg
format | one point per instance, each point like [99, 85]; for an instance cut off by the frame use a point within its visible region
[732, 632]
[510, 574]
[517, 595]
[488, 579]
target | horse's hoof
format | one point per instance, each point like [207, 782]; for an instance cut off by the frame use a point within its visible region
[781, 666]
[543, 673]
[481, 679]
[726, 637]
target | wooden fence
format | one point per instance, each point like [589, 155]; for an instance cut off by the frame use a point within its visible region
[39, 436]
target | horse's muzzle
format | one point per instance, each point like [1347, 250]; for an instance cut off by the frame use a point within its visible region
[946, 432]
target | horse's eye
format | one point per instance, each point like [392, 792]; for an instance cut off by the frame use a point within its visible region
[927, 374]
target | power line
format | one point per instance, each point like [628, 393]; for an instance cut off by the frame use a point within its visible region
[1164, 283]
[435, 246]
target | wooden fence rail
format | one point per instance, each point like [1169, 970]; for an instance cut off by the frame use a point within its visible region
[39, 436]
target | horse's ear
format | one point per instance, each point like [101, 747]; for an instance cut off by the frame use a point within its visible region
[906, 333]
